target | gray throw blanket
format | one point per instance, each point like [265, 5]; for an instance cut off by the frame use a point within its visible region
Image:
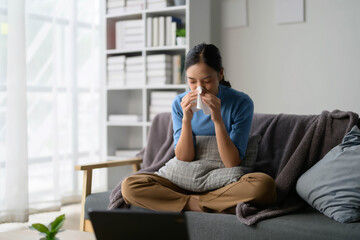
[290, 144]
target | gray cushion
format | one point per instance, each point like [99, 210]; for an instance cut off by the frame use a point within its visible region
[208, 172]
[332, 186]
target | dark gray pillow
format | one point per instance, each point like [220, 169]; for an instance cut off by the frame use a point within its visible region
[332, 185]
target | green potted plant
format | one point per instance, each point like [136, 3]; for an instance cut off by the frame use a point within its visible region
[180, 36]
[51, 230]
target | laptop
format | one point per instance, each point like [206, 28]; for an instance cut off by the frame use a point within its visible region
[133, 225]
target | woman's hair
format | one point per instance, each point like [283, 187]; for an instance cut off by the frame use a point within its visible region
[206, 53]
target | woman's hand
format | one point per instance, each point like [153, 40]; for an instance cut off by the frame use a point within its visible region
[214, 104]
[186, 105]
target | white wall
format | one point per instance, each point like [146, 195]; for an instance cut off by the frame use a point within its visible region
[301, 68]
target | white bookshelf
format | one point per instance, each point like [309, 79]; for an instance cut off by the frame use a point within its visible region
[124, 99]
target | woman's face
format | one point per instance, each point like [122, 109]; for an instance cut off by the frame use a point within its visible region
[201, 74]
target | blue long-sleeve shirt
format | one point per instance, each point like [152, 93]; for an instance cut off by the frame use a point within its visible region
[237, 110]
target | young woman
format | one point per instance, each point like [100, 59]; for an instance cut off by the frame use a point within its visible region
[230, 120]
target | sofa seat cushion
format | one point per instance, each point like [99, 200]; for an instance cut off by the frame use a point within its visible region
[303, 224]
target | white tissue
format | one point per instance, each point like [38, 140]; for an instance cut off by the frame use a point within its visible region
[200, 105]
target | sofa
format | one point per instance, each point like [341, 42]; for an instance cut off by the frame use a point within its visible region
[290, 146]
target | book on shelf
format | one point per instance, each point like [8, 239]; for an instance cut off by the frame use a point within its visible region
[158, 65]
[159, 73]
[178, 68]
[134, 60]
[149, 37]
[155, 31]
[159, 81]
[117, 10]
[162, 31]
[134, 79]
[115, 4]
[115, 67]
[163, 94]
[156, 58]
[125, 118]
[168, 30]
[158, 4]
[116, 59]
[134, 68]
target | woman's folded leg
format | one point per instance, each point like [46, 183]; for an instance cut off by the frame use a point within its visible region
[255, 188]
[153, 192]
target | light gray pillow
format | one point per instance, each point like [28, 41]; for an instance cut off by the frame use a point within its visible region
[332, 185]
[208, 172]
[206, 148]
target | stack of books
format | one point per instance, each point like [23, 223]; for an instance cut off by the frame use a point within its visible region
[134, 73]
[116, 70]
[120, 118]
[133, 5]
[161, 31]
[129, 34]
[159, 69]
[158, 4]
[115, 6]
[160, 101]
[122, 6]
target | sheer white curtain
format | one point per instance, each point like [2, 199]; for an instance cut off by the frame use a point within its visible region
[50, 114]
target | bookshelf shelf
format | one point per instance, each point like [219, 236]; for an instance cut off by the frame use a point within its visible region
[176, 10]
[136, 14]
[123, 88]
[167, 86]
[124, 124]
[117, 51]
[138, 80]
[166, 48]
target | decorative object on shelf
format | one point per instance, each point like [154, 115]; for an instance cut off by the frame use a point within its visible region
[51, 230]
[181, 36]
[179, 2]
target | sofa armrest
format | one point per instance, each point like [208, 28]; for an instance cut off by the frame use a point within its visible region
[116, 163]
[87, 181]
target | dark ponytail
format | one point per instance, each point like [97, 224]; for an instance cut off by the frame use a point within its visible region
[206, 53]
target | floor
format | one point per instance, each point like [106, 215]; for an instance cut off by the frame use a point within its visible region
[72, 219]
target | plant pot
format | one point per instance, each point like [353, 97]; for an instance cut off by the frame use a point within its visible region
[181, 41]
